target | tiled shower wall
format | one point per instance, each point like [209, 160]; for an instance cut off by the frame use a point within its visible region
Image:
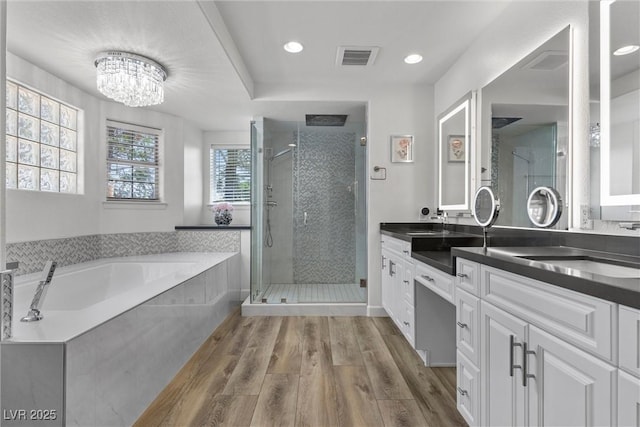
[32, 255]
[324, 170]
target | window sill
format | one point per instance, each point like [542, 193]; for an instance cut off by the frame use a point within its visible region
[134, 205]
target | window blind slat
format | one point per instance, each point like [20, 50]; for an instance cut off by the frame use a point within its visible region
[230, 174]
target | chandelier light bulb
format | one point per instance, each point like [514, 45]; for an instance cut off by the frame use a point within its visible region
[132, 79]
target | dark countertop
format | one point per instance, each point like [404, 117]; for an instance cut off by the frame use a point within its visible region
[440, 250]
[620, 290]
[213, 227]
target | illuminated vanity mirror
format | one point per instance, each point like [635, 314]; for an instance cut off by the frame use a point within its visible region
[615, 109]
[455, 139]
[525, 130]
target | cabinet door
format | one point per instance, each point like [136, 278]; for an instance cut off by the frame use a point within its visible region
[503, 392]
[569, 387]
[628, 400]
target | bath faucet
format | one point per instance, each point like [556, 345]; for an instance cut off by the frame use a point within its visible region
[41, 292]
[442, 215]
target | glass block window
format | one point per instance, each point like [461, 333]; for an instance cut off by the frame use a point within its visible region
[230, 172]
[42, 142]
[133, 166]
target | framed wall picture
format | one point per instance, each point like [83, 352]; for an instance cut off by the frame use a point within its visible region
[401, 148]
[456, 148]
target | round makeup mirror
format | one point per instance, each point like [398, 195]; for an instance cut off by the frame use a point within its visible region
[486, 207]
[544, 207]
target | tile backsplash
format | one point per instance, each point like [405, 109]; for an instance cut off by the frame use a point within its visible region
[33, 254]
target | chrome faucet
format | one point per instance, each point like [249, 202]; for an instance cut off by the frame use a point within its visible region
[41, 292]
[441, 215]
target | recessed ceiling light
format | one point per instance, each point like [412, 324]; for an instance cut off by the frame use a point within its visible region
[414, 58]
[626, 50]
[293, 47]
[292, 145]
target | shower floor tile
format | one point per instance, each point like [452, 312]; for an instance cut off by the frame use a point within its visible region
[312, 293]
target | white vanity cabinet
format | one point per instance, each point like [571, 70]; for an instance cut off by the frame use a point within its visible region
[397, 284]
[544, 356]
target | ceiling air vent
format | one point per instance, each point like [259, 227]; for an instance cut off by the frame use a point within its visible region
[356, 55]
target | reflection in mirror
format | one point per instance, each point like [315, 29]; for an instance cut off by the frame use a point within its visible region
[485, 207]
[455, 142]
[525, 116]
[544, 207]
[618, 123]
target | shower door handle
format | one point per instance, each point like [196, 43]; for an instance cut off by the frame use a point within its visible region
[304, 218]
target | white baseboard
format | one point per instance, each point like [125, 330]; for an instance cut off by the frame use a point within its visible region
[376, 311]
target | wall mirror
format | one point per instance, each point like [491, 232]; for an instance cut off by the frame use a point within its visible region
[455, 142]
[615, 109]
[525, 130]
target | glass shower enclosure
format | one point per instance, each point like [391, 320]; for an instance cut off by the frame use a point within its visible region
[308, 240]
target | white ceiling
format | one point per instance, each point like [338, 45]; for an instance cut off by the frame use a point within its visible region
[206, 81]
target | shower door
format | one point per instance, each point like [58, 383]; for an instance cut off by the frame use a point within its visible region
[313, 246]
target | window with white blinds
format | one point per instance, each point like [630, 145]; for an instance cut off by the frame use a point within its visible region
[230, 174]
[133, 166]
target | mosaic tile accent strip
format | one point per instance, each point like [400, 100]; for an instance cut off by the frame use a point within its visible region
[324, 247]
[33, 255]
[208, 241]
[6, 315]
[129, 244]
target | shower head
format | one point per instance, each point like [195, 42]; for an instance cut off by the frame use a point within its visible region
[281, 153]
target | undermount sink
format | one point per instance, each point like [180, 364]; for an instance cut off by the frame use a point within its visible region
[600, 266]
[426, 233]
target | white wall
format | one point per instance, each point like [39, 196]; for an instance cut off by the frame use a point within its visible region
[39, 215]
[194, 174]
[520, 29]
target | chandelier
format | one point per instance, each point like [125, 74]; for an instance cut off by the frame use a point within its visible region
[132, 79]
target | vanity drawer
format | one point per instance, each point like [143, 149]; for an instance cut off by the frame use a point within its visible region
[391, 243]
[439, 282]
[583, 320]
[468, 276]
[468, 325]
[408, 323]
[629, 339]
[468, 390]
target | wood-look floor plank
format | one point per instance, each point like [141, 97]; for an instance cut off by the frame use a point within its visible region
[223, 383]
[386, 326]
[344, 344]
[317, 405]
[401, 413]
[248, 376]
[277, 401]
[287, 352]
[357, 404]
[386, 379]
[436, 404]
[449, 379]
[225, 410]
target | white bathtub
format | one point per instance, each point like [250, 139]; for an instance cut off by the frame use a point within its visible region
[82, 296]
[115, 331]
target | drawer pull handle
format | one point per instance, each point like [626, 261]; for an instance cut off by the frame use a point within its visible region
[406, 281]
[512, 345]
[462, 325]
[406, 252]
[427, 278]
[462, 275]
[384, 264]
[406, 323]
[525, 364]
[462, 392]
[392, 272]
